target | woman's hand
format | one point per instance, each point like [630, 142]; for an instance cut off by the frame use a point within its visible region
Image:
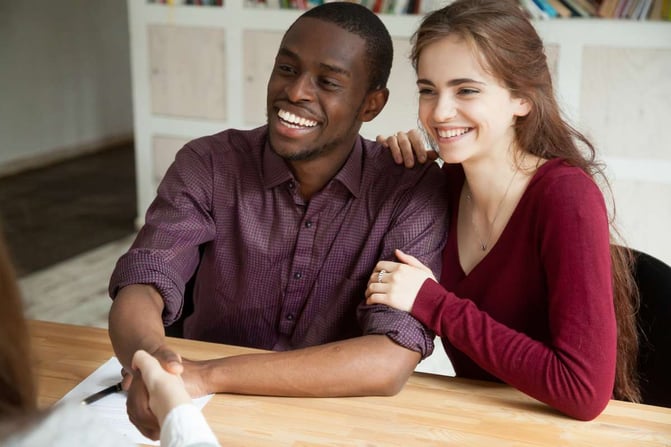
[166, 390]
[406, 147]
[397, 284]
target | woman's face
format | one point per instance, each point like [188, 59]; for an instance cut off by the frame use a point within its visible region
[466, 111]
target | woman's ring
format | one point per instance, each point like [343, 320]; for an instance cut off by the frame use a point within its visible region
[380, 274]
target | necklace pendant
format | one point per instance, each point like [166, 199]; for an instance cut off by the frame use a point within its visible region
[483, 247]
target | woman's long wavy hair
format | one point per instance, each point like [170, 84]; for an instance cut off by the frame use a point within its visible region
[17, 383]
[511, 50]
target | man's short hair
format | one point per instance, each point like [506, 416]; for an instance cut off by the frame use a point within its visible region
[359, 20]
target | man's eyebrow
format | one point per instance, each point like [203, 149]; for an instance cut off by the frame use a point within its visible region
[337, 70]
[453, 82]
[328, 67]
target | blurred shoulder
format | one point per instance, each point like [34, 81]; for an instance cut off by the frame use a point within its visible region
[68, 425]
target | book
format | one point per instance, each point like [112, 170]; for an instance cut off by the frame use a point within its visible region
[533, 10]
[589, 6]
[644, 10]
[656, 10]
[561, 8]
[622, 8]
[575, 8]
[547, 7]
[607, 9]
[628, 12]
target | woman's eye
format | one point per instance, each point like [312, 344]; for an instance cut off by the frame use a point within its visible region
[468, 91]
[425, 91]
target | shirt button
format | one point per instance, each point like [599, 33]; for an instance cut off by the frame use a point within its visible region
[290, 317]
[292, 185]
[308, 224]
[298, 275]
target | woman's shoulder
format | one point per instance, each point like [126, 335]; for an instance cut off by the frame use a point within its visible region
[559, 192]
[557, 178]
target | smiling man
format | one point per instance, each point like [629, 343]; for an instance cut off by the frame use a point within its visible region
[278, 230]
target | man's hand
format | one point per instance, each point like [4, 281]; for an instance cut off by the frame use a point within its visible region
[166, 390]
[137, 403]
[406, 147]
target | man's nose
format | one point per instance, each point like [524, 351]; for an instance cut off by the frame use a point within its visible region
[302, 88]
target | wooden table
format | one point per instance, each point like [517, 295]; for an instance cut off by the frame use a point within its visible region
[430, 411]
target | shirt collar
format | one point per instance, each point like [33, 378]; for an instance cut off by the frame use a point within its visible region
[276, 172]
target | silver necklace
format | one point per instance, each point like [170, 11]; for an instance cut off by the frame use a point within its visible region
[484, 244]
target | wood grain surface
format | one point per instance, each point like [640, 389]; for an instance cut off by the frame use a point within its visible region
[430, 411]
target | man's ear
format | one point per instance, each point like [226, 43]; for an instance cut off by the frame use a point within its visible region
[373, 104]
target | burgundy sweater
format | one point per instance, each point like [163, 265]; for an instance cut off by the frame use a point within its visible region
[537, 312]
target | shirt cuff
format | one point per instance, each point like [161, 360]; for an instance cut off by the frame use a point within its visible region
[184, 426]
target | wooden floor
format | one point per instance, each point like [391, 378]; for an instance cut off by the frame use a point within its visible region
[59, 211]
[74, 290]
[65, 225]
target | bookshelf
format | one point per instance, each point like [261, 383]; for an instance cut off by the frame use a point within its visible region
[198, 70]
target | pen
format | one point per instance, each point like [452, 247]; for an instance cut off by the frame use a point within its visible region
[102, 393]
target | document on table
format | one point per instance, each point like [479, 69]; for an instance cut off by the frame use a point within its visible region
[112, 408]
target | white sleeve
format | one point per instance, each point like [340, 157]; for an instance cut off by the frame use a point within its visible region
[186, 426]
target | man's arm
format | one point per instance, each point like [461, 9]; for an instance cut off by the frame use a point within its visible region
[361, 366]
[135, 322]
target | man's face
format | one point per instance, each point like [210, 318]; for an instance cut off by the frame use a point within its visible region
[316, 90]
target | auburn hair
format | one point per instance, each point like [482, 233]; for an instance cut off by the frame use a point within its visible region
[18, 395]
[511, 50]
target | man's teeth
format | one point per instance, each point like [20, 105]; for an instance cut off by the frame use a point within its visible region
[449, 133]
[296, 120]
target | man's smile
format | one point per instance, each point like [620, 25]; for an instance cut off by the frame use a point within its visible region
[294, 121]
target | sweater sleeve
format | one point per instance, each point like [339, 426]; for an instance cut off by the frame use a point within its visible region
[574, 370]
[185, 426]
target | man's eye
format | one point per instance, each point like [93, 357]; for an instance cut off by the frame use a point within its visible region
[284, 68]
[468, 91]
[329, 83]
[425, 91]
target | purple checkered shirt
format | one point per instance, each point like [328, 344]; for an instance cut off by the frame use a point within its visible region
[274, 271]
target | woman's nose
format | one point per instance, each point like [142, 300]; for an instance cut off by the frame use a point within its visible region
[445, 109]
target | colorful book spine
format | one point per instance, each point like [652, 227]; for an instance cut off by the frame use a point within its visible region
[547, 7]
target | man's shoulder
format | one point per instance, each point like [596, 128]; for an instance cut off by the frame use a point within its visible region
[380, 166]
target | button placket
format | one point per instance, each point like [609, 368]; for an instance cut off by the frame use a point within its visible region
[299, 284]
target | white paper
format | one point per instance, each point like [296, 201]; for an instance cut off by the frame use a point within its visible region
[112, 408]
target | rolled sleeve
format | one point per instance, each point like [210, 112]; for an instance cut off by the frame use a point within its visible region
[399, 326]
[142, 266]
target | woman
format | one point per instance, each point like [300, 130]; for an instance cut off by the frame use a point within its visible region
[23, 424]
[528, 292]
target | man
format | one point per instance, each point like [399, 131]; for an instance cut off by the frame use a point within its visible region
[282, 227]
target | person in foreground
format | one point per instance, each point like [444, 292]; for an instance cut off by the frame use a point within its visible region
[71, 424]
[281, 226]
[531, 292]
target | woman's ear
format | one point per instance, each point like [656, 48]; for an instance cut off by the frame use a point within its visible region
[522, 106]
[373, 104]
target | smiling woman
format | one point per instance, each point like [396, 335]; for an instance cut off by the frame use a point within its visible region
[529, 237]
